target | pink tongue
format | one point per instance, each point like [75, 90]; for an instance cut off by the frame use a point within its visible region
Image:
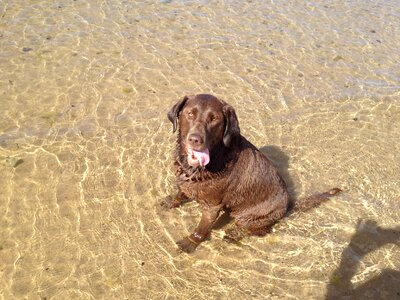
[202, 156]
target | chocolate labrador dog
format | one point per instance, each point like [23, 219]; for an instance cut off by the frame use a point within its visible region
[221, 170]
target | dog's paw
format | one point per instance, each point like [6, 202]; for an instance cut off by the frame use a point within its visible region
[170, 202]
[187, 245]
[234, 235]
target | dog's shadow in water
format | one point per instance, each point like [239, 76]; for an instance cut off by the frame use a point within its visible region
[280, 161]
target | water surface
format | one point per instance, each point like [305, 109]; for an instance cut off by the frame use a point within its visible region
[86, 148]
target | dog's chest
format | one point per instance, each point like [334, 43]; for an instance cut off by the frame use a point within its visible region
[208, 192]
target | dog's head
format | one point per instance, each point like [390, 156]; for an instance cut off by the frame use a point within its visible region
[204, 122]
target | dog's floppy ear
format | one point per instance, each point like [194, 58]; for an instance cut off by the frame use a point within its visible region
[232, 130]
[174, 112]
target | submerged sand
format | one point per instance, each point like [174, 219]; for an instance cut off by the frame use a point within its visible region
[86, 148]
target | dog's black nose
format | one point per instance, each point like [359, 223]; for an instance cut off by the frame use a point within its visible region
[195, 139]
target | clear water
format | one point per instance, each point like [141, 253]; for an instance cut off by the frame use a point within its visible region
[86, 148]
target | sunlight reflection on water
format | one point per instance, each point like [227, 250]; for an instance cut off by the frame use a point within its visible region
[86, 148]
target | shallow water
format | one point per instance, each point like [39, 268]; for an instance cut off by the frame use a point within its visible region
[86, 148]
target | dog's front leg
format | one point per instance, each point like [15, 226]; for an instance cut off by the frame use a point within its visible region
[174, 202]
[209, 215]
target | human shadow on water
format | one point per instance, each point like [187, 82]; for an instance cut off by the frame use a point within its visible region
[280, 161]
[368, 238]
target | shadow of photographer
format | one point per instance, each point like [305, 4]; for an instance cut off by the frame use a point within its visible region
[368, 238]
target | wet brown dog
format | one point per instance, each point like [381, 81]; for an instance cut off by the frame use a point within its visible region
[221, 170]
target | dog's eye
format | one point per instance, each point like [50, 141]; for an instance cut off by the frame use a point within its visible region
[214, 118]
[190, 114]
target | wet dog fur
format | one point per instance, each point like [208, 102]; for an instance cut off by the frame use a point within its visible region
[238, 179]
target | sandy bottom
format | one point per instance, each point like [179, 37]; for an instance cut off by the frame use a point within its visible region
[86, 148]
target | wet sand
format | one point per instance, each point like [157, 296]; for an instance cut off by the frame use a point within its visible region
[86, 148]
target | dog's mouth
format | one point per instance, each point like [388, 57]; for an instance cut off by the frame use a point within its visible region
[198, 158]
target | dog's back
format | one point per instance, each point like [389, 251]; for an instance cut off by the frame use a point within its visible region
[256, 194]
